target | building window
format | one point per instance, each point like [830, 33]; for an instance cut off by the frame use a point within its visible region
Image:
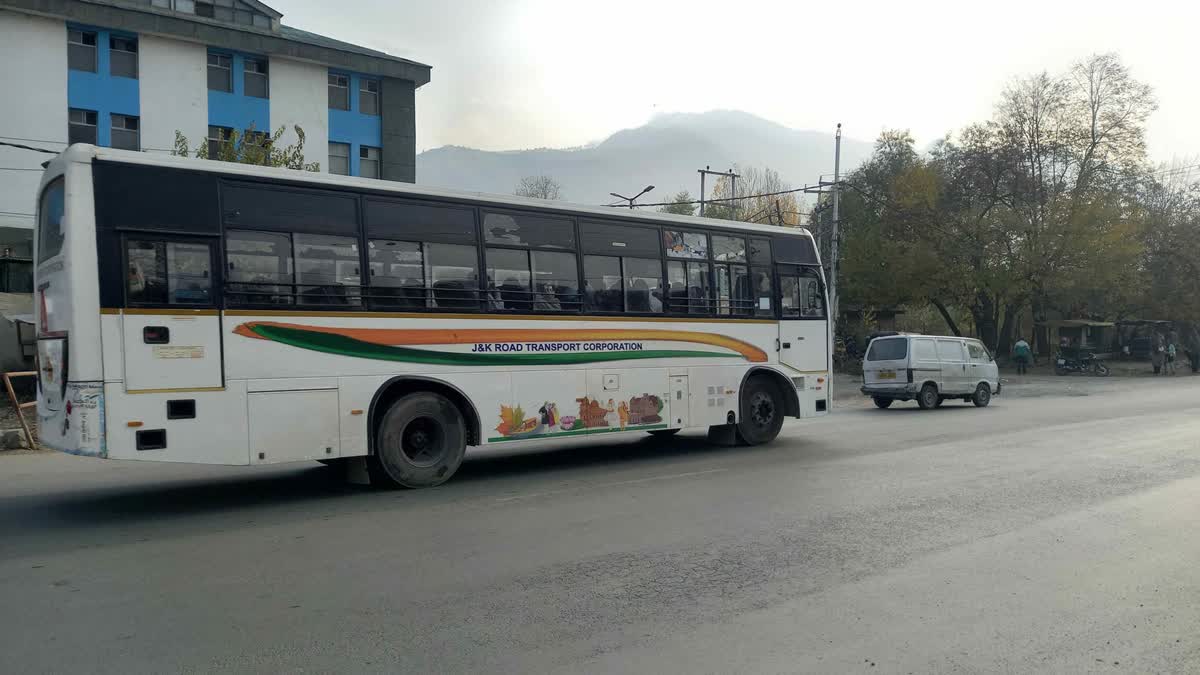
[123, 58]
[125, 132]
[262, 21]
[243, 17]
[256, 78]
[220, 72]
[81, 126]
[368, 97]
[206, 10]
[339, 92]
[218, 137]
[185, 6]
[81, 50]
[339, 158]
[368, 162]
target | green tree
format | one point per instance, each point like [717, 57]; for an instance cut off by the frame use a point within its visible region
[251, 147]
[681, 204]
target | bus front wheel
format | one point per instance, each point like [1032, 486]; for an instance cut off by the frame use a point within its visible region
[420, 442]
[762, 412]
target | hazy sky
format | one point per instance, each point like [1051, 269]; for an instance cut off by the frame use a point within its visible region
[513, 74]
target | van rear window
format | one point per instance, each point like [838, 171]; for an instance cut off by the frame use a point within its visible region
[888, 350]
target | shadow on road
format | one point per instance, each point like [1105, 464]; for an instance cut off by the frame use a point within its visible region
[148, 505]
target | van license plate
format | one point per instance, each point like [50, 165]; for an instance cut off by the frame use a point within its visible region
[887, 374]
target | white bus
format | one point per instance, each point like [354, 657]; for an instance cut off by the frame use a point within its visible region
[199, 311]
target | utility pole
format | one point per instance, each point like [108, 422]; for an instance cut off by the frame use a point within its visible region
[833, 244]
[732, 185]
[733, 193]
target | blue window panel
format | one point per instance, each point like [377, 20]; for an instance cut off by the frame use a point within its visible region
[100, 91]
[353, 127]
[234, 109]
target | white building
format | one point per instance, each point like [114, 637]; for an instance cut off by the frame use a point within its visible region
[130, 73]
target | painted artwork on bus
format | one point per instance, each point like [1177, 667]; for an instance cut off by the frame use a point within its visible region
[594, 416]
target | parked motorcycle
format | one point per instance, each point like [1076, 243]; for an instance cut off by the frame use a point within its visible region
[1086, 362]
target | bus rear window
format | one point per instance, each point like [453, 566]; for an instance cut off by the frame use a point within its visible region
[888, 350]
[50, 216]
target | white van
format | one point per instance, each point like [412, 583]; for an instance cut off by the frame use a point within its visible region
[930, 369]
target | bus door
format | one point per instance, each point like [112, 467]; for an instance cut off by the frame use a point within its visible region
[803, 328]
[171, 327]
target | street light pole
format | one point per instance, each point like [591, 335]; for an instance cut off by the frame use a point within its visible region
[631, 199]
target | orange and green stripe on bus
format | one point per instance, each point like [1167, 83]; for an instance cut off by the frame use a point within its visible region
[386, 343]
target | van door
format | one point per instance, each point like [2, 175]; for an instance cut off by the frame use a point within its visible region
[923, 360]
[981, 367]
[803, 325]
[886, 363]
[954, 366]
[171, 327]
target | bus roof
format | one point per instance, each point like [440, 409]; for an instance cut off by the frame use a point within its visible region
[85, 153]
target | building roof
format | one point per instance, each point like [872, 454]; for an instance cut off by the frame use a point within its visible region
[139, 16]
[322, 41]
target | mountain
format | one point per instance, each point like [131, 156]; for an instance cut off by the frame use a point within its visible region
[665, 152]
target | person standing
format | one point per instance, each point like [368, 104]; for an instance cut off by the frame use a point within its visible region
[1158, 353]
[1171, 357]
[1022, 355]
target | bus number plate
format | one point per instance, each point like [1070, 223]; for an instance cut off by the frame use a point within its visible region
[179, 352]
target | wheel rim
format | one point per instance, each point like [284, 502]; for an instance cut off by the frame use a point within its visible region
[930, 398]
[985, 394]
[762, 409]
[423, 441]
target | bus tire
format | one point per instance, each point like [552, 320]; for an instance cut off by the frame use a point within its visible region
[663, 433]
[762, 412]
[420, 442]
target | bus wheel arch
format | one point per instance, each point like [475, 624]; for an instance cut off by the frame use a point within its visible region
[402, 385]
[791, 400]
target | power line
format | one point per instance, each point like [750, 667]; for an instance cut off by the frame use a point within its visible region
[29, 147]
[811, 189]
[15, 213]
[13, 168]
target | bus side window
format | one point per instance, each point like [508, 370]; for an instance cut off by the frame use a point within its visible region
[168, 273]
[789, 296]
[761, 296]
[602, 289]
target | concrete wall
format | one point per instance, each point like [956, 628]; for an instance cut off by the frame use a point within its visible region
[33, 73]
[174, 92]
[399, 131]
[299, 97]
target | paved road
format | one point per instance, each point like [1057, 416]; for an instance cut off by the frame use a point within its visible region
[1049, 533]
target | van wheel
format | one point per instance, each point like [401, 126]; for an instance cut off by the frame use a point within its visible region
[882, 403]
[762, 412]
[928, 398]
[420, 442]
[983, 396]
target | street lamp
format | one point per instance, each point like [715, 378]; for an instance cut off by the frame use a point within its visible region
[630, 199]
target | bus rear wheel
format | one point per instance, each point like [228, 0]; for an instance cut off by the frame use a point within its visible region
[762, 412]
[420, 442]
